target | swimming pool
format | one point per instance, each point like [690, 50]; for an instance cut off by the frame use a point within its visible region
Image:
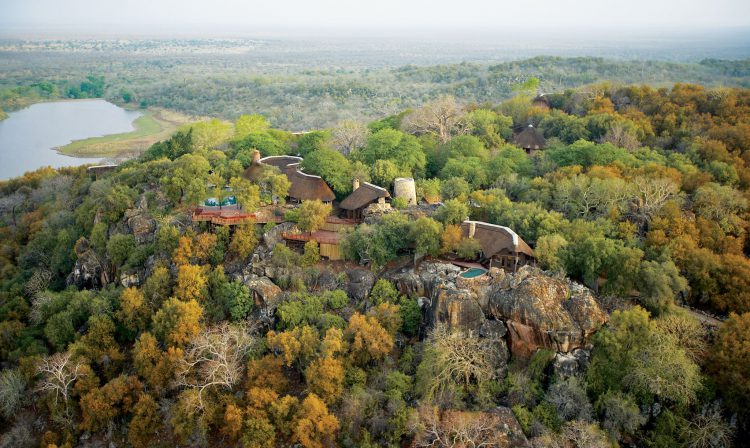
[473, 272]
[213, 202]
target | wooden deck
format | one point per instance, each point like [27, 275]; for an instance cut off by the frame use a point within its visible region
[321, 236]
[233, 215]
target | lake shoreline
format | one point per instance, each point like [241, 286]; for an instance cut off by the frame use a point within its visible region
[27, 135]
[154, 125]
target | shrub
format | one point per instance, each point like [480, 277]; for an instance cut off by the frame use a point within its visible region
[311, 255]
[11, 392]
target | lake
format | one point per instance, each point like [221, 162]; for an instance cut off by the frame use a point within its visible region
[28, 136]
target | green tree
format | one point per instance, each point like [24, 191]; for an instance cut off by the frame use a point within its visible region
[120, 247]
[659, 283]
[384, 172]
[311, 256]
[467, 146]
[453, 211]
[312, 215]
[426, 233]
[247, 193]
[402, 149]
[313, 141]
[491, 127]
[250, 124]
[332, 166]
[188, 179]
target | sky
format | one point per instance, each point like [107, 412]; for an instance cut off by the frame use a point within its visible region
[361, 17]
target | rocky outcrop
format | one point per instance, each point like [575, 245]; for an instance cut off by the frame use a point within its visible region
[266, 294]
[543, 311]
[273, 236]
[129, 279]
[140, 222]
[535, 309]
[422, 282]
[458, 308]
[566, 365]
[360, 283]
[90, 271]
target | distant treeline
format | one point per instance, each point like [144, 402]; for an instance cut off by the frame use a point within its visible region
[320, 93]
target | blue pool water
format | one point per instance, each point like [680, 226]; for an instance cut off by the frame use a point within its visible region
[473, 272]
[213, 202]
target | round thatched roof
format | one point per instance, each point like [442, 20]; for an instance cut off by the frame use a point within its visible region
[529, 138]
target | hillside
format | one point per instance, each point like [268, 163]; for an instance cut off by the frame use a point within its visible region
[538, 286]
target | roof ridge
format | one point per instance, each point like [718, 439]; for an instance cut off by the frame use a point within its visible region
[374, 186]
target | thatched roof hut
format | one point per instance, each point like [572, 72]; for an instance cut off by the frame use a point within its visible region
[304, 187]
[498, 242]
[363, 195]
[307, 187]
[281, 162]
[529, 139]
[541, 101]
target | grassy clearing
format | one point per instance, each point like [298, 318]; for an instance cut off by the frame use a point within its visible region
[152, 126]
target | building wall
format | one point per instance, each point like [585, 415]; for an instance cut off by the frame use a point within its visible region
[331, 251]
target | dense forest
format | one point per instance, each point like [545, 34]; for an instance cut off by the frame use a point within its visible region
[124, 322]
[300, 89]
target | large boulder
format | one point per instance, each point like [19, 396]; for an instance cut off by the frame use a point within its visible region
[575, 363]
[544, 311]
[266, 294]
[90, 271]
[360, 283]
[458, 308]
[273, 237]
[143, 227]
[424, 280]
[140, 222]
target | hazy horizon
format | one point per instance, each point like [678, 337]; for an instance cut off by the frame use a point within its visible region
[338, 18]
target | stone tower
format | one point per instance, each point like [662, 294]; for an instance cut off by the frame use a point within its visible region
[403, 187]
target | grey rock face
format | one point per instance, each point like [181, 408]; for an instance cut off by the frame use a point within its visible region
[566, 365]
[542, 311]
[266, 294]
[360, 283]
[89, 271]
[535, 310]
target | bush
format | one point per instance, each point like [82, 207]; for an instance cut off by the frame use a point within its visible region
[336, 299]
[399, 203]
[240, 300]
[525, 418]
[120, 247]
[284, 257]
[11, 392]
[468, 248]
[411, 316]
[311, 255]
[546, 414]
[384, 291]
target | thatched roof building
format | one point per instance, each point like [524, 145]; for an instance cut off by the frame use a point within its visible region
[307, 187]
[499, 243]
[281, 162]
[529, 139]
[541, 101]
[304, 187]
[362, 196]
